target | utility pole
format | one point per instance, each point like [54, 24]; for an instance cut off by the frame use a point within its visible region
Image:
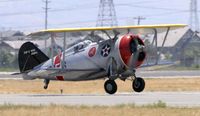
[46, 8]
[0, 36]
[194, 18]
[107, 14]
[139, 18]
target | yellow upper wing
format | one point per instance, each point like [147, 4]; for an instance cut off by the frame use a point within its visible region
[140, 28]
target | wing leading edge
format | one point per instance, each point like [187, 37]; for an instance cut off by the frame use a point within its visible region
[141, 28]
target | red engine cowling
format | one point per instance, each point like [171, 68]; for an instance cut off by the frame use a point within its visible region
[131, 48]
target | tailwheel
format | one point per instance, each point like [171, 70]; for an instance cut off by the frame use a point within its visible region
[46, 83]
[45, 86]
[110, 86]
[138, 84]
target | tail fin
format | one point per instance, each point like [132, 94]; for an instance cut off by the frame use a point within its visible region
[30, 56]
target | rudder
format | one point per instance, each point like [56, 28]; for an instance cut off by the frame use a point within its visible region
[30, 56]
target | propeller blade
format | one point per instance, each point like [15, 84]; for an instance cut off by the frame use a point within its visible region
[134, 56]
[133, 60]
[137, 51]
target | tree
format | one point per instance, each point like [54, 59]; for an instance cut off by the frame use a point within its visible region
[6, 58]
[191, 55]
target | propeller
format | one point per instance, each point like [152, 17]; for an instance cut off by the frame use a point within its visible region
[138, 53]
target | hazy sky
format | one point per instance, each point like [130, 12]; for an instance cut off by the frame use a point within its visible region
[28, 15]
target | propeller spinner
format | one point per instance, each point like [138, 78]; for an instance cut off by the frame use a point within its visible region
[132, 50]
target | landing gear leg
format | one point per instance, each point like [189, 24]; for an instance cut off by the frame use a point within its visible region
[138, 84]
[46, 83]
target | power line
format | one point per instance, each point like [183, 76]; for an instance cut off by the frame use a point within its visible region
[149, 7]
[11, 0]
[49, 10]
[83, 22]
[93, 21]
[81, 7]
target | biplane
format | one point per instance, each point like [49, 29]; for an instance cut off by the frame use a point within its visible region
[108, 53]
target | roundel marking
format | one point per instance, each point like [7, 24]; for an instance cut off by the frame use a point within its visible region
[92, 52]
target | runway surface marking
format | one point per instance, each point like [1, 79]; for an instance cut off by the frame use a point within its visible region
[181, 99]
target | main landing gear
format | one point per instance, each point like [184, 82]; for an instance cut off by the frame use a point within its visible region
[138, 85]
[46, 83]
[110, 86]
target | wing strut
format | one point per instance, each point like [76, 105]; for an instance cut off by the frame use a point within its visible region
[52, 40]
[52, 51]
[163, 43]
[64, 47]
[155, 39]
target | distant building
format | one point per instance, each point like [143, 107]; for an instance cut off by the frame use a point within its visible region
[13, 46]
[12, 35]
[177, 42]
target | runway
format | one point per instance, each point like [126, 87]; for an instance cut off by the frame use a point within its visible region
[139, 73]
[181, 99]
[169, 74]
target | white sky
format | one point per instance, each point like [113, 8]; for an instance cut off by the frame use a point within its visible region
[28, 15]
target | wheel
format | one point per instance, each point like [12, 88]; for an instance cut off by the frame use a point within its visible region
[46, 86]
[46, 83]
[110, 86]
[138, 84]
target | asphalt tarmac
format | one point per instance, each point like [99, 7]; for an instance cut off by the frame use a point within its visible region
[180, 99]
[169, 74]
[139, 73]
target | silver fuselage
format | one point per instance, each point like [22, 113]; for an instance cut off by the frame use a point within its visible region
[78, 63]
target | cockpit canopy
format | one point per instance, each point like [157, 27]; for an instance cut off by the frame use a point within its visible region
[79, 46]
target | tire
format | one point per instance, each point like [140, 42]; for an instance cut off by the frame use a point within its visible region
[46, 83]
[110, 86]
[45, 87]
[138, 84]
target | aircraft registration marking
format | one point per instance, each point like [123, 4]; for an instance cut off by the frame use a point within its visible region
[32, 52]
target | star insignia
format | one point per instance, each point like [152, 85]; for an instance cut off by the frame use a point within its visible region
[105, 50]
